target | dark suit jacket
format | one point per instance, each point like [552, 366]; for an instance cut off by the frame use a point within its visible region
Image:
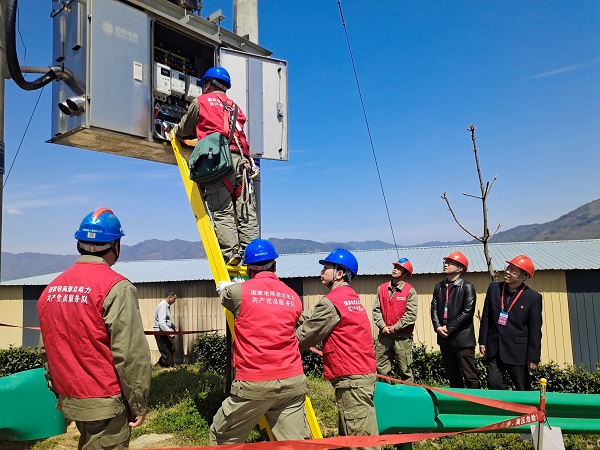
[461, 308]
[521, 339]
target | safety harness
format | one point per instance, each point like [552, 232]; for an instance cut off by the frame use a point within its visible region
[230, 112]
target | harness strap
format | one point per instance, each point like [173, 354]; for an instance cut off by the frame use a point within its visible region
[235, 193]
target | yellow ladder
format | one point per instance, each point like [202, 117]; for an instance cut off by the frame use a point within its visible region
[221, 271]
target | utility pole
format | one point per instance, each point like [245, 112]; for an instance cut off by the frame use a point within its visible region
[3, 74]
[245, 24]
[245, 19]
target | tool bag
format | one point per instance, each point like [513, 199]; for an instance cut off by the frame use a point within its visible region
[211, 159]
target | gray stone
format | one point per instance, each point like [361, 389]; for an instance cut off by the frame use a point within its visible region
[148, 439]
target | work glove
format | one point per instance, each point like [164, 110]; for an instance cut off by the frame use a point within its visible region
[238, 280]
[169, 131]
[223, 284]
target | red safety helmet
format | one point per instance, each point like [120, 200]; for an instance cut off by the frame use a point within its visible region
[405, 264]
[523, 263]
[459, 258]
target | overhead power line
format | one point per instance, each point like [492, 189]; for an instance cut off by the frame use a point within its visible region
[367, 125]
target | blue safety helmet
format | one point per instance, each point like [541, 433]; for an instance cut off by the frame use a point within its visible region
[219, 74]
[344, 258]
[100, 226]
[259, 251]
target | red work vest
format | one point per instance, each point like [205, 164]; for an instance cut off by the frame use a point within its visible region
[75, 336]
[211, 119]
[348, 350]
[393, 309]
[265, 345]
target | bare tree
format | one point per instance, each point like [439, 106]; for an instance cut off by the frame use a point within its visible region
[485, 191]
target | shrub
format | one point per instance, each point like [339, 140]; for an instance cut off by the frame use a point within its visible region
[18, 359]
[211, 352]
[573, 379]
[312, 362]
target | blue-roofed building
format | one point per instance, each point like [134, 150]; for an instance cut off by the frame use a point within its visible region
[567, 274]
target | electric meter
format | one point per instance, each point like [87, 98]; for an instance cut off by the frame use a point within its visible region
[194, 88]
[177, 82]
[162, 80]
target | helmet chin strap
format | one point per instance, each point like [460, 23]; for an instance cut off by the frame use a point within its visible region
[333, 280]
[113, 248]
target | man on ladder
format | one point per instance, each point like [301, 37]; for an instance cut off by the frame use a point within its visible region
[231, 201]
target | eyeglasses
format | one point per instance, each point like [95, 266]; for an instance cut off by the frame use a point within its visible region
[513, 270]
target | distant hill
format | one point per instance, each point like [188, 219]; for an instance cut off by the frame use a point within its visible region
[582, 223]
[285, 245]
[21, 265]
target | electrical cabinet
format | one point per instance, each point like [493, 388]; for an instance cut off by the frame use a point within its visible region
[136, 66]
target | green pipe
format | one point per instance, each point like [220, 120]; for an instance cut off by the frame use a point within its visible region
[28, 408]
[408, 409]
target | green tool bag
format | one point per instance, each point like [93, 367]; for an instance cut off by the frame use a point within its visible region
[211, 159]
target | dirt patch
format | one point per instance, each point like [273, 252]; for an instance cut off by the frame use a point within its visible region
[69, 440]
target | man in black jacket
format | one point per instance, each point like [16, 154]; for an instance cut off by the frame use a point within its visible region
[452, 310]
[510, 335]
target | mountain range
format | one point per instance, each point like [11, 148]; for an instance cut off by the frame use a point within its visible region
[581, 223]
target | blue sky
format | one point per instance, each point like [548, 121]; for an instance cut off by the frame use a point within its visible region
[527, 74]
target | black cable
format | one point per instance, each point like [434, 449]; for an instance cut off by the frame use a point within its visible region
[362, 103]
[21, 36]
[23, 138]
[12, 60]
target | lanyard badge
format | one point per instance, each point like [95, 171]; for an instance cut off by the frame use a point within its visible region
[503, 318]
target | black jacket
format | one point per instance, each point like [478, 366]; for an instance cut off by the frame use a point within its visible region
[520, 340]
[461, 308]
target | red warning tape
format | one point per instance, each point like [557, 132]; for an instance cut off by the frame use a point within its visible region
[171, 333]
[530, 415]
[19, 326]
[371, 441]
[148, 333]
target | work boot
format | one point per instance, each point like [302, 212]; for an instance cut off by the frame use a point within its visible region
[235, 259]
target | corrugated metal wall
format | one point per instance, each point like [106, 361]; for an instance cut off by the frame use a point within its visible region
[584, 303]
[198, 309]
[11, 312]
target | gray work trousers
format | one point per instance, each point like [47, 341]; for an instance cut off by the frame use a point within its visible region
[237, 416]
[236, 223]
[399, 347]
[357, 411]
[113, 433]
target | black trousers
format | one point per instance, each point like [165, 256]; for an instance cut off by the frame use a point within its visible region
[518, 374]
[459, 363]
[166, 347]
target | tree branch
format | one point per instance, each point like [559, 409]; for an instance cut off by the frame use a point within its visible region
[497, 228]
[445, 197]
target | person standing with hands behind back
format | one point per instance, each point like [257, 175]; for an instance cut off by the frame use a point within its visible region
[162, 322]
[452, 311]
[93, 345]
[510, 335]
